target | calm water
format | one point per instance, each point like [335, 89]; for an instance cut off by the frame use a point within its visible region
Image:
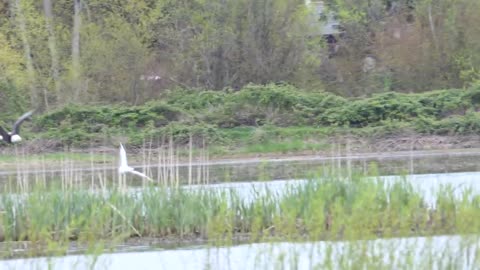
[429, 185]
[287, 168]
[440, 252]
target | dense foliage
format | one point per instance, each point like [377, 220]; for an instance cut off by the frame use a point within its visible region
[184, 112]
[54, 53]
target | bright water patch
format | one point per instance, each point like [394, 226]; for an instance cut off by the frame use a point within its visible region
[429, 185]
[440, 252]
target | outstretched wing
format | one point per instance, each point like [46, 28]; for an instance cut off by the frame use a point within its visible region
[4, 134]
[142, 175]
[123, 157]
[16, 126]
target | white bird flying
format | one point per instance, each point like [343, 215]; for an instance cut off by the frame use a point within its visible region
[124, 168]
[14, 135]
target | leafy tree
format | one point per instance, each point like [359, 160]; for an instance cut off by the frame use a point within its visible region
[217, 44]
[113, 59]
[13, 81]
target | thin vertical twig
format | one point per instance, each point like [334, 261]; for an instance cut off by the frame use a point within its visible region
[207, 167]
[164, 166]
[204, 158]
[76, 65]
[159, 164]
[332, 157]
[62, 173]
[177, 167]
[171, 174]
[44, 173]
[349, 160]
[148, 170]
[92, 184]
[432, 26]
[199, 169]
[144, 181]
[190, 156]
[411, 169]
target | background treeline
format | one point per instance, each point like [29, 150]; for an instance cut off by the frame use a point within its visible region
[54, 53]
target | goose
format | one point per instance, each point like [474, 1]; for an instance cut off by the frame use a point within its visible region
[124, 168]
[14, 135]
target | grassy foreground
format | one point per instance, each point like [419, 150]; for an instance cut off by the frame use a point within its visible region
[328, 207]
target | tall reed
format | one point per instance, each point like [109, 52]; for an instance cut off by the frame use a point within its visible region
[322, 208]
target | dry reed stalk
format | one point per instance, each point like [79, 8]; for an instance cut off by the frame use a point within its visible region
[349, 161]
[76, 179]
[332, 157]
[44, 174]
[17, 166]
[52, 174]
[79, 179]
[177, 167]
[365, 169]
[167, 163]
[168, 166]
[124, 218]
[164, 165]
[411, 168]
[64, 169]
[207, 167]
[25, 170]
[339, 160]
[72, 175]
[199, 171]
[148, 169]
[190, 156]
[102, 183]
[204, 160]
[144, 159]
[68, 175]
[159, 158]
[92, 180]
[170, 150]
[62, 174]
[35, 171]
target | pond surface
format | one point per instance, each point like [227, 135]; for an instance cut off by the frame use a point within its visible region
[440, 252]
[253, 169]
[428, 185]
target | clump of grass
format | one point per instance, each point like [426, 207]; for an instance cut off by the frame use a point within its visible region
[327, 207]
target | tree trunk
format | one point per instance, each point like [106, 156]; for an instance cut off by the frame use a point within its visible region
[77, 21]
[19, 18]
[47, 7]
[432, 26]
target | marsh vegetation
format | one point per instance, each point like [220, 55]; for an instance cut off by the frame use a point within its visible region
[319, 210]
[329, 206]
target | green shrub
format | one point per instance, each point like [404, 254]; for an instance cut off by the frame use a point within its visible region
[457, 124]
[203, 114]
